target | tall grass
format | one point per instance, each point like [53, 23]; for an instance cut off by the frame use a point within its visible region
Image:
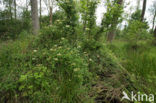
[140, 60]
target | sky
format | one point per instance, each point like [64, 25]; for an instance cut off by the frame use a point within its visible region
[129, 9]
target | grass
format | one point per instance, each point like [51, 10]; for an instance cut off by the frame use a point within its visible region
[139, 61]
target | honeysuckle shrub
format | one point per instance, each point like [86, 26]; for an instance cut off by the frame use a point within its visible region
[67, 68]
[56, 74]
[36, 84]
[48, 37]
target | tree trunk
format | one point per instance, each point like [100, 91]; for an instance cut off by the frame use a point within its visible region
[40, 11]
[153, 22]
[15, 8]
[143, 10]
[10, 10]
[35, 18]
[111, 34]
[51, 15]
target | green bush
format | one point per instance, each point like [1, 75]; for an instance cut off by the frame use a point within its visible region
[137, 31]
[54, 75]
[12, 56]
[48, 36]
[91, 45]
[36, 84]
[12, 28]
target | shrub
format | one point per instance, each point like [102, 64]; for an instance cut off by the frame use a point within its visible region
[54, 75]
[91, 45]
[48, 36]
[12, 56]
[136, 31]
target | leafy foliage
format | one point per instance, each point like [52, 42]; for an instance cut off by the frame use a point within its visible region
[137, 31]
[111, 18]
[87, 10]
[56, 74]
[69, 61]
[71, 19]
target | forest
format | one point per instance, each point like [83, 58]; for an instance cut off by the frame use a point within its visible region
[57, 51]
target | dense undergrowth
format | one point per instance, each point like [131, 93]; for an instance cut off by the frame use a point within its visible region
[49, 68]
[55, 67]
[52, 70]
[139, 59]
[70, 61]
